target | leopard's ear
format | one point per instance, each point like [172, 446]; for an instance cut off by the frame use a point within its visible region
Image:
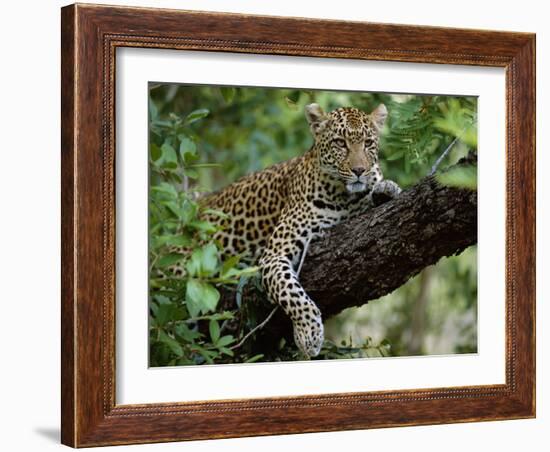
[379, 115]
[316, 118]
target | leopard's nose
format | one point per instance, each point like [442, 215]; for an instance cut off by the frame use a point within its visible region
[358, 170]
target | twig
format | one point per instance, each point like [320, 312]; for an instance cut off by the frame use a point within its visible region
[256, 328]
[448, 149]
[303, 256]
[153, 262]
[444, 154]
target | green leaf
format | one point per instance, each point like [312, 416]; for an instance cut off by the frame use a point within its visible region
[203, 261]
[163, 312]
[169, 259]
[191, 173]
[209, 259]
[193, 265]
[292, 99]
[187, 148]
[188, 211]
[161, 299]
[395, 156]
[228, 93]
[184, 212]
[217, 213]
[155, 152]
[170, 158]
[225, 341]
[196, 115]
[172, 344]
[254, 358]
[201, 297]
[207, 354]
[459, 177]
[173, 240]
[162, 123]
[214, 329]
[291, 104]
[174, 208]
[204, 226]
[167, 313]
[211, 296]
[226, 351]
[459, 122]
[184, 361]
[153, 110]
[193, 298]
[225, 315]
[294, 96]
[165, 188]
[183, 331]
[232, 274]
[230, 264]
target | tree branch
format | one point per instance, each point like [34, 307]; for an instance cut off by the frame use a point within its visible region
[374, 254]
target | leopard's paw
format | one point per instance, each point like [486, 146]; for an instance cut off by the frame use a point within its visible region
[309, 334]
[384, 191]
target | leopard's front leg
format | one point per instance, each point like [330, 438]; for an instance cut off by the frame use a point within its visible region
[279, 264]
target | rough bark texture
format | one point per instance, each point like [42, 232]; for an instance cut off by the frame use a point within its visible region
[372, 255]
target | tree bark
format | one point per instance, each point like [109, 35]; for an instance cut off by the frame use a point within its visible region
[374, 254]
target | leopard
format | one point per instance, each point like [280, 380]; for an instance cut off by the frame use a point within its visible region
[272, 215]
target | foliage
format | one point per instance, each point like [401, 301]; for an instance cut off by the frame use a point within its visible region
[460, 177]
[203, 138]
[252, 128]
[185, 327]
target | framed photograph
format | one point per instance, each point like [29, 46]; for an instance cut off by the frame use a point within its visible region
[282, 225]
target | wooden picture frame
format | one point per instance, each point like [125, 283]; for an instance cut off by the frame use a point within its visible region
[90, 37]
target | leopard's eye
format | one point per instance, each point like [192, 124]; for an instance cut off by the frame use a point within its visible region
[368, 143]
[341, 143]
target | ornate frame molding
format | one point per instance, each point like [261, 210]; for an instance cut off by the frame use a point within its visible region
[90, 37]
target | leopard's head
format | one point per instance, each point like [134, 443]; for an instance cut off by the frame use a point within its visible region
[346, 142]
